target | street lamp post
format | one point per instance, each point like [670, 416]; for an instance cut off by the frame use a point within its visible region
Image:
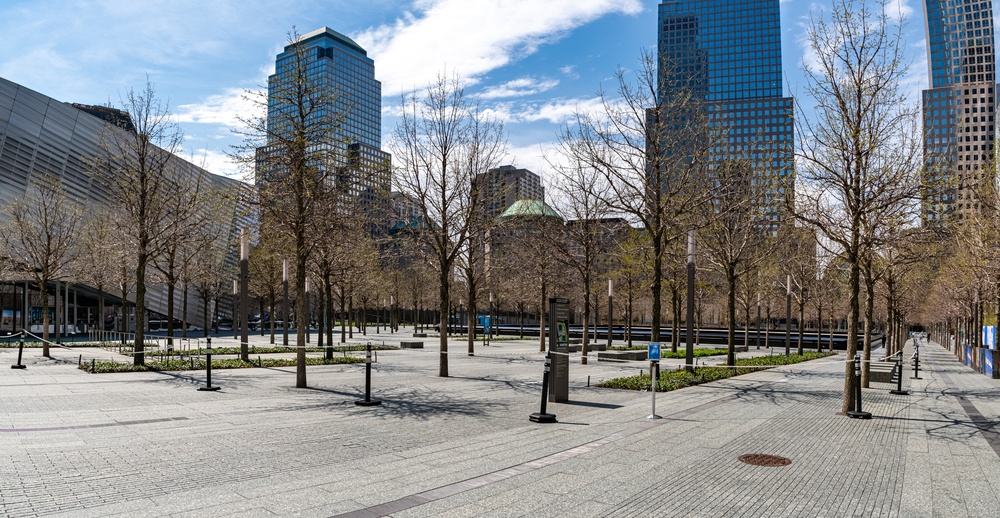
[689, 353]
[236, 306]
[284, 301]
[244, 296]
[307, 316]
[610, 314]
[788, 316]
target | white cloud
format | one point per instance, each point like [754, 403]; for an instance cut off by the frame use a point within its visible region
[224, 109]
[556, 111]
[520, 87]
[473, 37]
[569, 71]
[216, 162]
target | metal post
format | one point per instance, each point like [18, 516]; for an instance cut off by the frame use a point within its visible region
[857, 413]
[542, 416]
[307, 316]
[757, 327]
[208, 368]
[368, 401]
[689, 356]
[20, 350]
[236, 306]
[788, 317]
[244, 296]
[610, 311]
[916, 361]
[654, 377]
[284, 302]
[899, 377]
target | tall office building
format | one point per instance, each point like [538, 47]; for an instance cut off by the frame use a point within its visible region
[500, 187]
[346, 75]
[727, 55]
[959, 108]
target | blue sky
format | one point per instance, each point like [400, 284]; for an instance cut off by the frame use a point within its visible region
[535, 61]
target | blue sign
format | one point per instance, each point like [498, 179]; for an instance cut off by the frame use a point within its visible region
[990, 337]
[654, 351]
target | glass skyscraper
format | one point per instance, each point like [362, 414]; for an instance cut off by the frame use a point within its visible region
[345, 73]
[727, 54]
[958, 109]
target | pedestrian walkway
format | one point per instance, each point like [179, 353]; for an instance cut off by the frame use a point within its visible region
[149, 443]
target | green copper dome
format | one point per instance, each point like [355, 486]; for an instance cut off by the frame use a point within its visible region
[529, 208]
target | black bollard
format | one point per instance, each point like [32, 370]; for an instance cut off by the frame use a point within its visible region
[20, 350]
[857, 413]
[899, 377]
[916, 362]
[542, 416]
[208, 367]
[368, 401]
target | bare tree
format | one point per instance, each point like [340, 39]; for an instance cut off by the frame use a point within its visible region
[859, 156]
[737, 230]
[296, 155]
[441, 142]
[142, 176]
[41, 235]
[583, 194]
[650, 150]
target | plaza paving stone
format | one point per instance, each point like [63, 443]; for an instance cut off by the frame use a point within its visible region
[150, 444]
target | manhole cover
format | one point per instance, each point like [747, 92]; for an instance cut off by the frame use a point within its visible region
[763, 459]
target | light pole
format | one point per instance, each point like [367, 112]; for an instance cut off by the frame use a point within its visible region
[284, 301]
[610, 314]
[307, 315]
[244, 296]
[236, 306]
[788, 316]
[689, 353]
[758, 321]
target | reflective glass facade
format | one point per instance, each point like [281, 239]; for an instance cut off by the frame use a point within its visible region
[959, 108]
[727, 53]
[343, 69]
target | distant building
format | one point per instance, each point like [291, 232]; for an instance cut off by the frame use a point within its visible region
[345, 72]
[958, 108]
[727, 55]
[499, 188]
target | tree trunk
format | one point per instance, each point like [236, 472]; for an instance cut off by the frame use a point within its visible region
[443, 287]
[731, 315]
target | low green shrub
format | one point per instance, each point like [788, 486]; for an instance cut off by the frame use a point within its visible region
[675, 379]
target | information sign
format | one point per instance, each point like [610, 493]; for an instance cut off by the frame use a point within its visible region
[654, 351]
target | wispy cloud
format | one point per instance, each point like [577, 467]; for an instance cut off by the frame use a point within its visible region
[224, 109]
[555, 111]
[453, 34]
[520, 87]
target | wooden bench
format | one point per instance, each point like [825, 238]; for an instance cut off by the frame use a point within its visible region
[411, 345]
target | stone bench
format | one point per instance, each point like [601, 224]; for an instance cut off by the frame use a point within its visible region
[880, 372]
[636, 355]
[411, 345]
[419, 335]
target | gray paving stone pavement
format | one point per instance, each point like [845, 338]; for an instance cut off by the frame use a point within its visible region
[149, 444]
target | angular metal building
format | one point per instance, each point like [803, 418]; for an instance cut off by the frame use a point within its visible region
[43, 136]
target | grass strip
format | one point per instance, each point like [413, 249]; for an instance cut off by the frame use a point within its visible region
[675, 379]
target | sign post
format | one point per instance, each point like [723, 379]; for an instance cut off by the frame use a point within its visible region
[559, 349]
[654, 374]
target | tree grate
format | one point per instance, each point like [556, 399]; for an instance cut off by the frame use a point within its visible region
[763, 459]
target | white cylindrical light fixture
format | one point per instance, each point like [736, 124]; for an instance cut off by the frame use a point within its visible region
[691, 247]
